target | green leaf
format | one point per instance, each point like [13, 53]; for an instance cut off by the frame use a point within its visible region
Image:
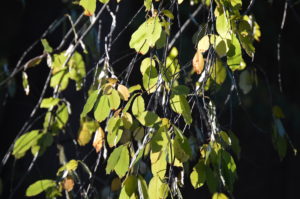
[62, 115]
[219, 196]
[43, 142]
[114, 131]
[47, 47]
[223, 25]
[168, 14]
[130, 185]
[69, 166]
[138, 106]
[39, 186]
[60, 80]
[158, 163]
[102, 109]
[114, 100]
[182, 149]
[49, 102]
[203, 44]
[234, 55]
[118, 161]
[90, 103]
[146, 63]
[147, 4]
[25, 83]
[134, 88]
[127, 120]
[180, 105]
[172, 67]
[180, 90]
[157, 189]
[77, 69]
[198, 176]
[89, 6]
[150, 79]
[146, 35]
[24, 143]
[105, 1]
[235, 145]
[148, 118]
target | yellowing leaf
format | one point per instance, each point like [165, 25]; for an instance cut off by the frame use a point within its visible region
[85, 132]
[68, 184]
[219, 196]
[124, 92]
[203, 44]
[127, 120]
[39, 186]
[99, 139]
[146, 35]
[198, 62]
[157, 189]
[89, 6]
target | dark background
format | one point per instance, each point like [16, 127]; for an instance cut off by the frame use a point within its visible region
[261, 174]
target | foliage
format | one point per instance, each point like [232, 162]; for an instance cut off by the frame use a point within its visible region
[152, 123]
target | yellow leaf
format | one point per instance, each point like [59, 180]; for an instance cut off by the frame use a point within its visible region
[219, 196]
[98, 140]
[124, 92]
[203, 44]
[198, 62]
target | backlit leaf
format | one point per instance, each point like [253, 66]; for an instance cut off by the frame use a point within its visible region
[203, 44]
[49, 102]
[150, 79]
[146, 63]
[114, 100]
[89, 6]
[198, 176]
[39, 186]
[219, 196]
[118, 161]
[98, 139]
[24, 143]
[90, 103]
[138, 105]
[180, 105]
[157, 189]
[124, 92]
[198, 62]
[102, 109]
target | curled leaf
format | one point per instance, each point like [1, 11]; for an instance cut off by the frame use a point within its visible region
[123, 92]
[198, 62]
[99, 139]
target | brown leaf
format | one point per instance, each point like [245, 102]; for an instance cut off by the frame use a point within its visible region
[124, 92]
[198, 62]
[98, 139]
[34, 61]
[115, 184]
[68, 184]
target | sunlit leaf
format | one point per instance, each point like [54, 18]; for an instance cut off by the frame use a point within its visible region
[118, 161]
[25, 83]
[90, 103]
[98, 139]
[146, 63]
[114, 100]
[157, 189]
[124, 92]
[49, 102]
[150, 79]
[24, 143]
[68, 184]
[203, 44]
[219, 196]
[180, 105]
[198, 62]
[86, 130]
[127, 120]
[89, 6]
[198, 176]
[114, 131]
[234, 55]
[138, 105]
[134, 88]
[102, 109]
[148, 118]
[39, 186]
[47, 47]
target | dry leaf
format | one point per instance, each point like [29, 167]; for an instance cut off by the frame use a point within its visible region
[124, 92]
[68, 184]
[98, 140]
[198, 62]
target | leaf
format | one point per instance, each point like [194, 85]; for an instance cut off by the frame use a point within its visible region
[44, 140]
[180, 105]
[203, 44]
[147, 4]
[47, 47]
[102, 109]
[39, 186]
[168, 14]
[106, 1]
[198, 62]
[90, 103]
[245, 82]
[124, 92]
[99, 139]
[69, 166]
[148, 118]
[49, 102]
[138, 106]
[198, 176]
[219, 196]
[134, 88]
[182, 149]
[130, 185]
[60, 80]
[147, 63]
[115, 184]
[68, 184]
[146, 35]
[180, 90]
[150, 79]
[85, 132]
[25, 83]
[118, 161]
[158, 163]
[127, 120]
[223, 25]
[62, 115]
[34, 61]
[221, 45]
[234, 55]
[157, 189]
[114, 131]
[24, 143]
[114, 100]
[76, 67]
[89, 6]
